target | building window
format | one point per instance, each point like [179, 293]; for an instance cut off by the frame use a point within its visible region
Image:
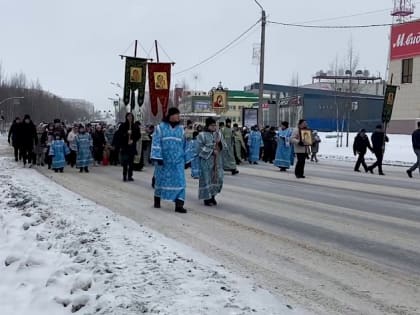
[407, 71]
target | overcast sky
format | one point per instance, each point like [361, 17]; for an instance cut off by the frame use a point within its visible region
[72, 47]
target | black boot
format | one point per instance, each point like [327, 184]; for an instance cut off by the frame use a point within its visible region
[157, 202]
[213, 201]
[81, 170]
[208, 202]
[86, 169]
[179, 206]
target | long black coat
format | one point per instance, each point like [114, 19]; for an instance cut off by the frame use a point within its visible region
[123, 138]
[28, 135]
[378, 140]
[15, 134]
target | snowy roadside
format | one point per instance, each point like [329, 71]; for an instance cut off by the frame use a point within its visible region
[398, 152]
[61, 253]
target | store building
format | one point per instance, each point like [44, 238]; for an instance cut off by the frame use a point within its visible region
[404, 71]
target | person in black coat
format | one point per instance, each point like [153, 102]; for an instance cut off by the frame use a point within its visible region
[16, 137]
[129, 134]
[415, 137]
[360, 145]
[99, 141]
[29, 138]
[378, 143]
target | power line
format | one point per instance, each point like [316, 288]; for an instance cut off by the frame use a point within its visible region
[164, 51]
[345, 16]
[331, 26]
[348, 16]
[220, 50]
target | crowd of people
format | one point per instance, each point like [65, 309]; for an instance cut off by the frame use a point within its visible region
[56, 145]
[209, 150]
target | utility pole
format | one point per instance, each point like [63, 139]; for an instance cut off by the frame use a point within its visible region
[262, 53]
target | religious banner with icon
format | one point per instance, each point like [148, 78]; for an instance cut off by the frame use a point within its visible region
[135, 79]
[159, 84]
[389, 99]
[219, 99]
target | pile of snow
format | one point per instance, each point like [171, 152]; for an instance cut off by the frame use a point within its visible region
[63, 254]
[398, 151]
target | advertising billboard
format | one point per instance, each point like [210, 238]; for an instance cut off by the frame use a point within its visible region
[405, 40]
[249, 117]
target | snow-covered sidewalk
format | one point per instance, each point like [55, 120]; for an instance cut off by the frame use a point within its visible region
[398, 151]
[63, 254]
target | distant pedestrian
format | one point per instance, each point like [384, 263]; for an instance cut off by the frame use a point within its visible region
[239, 146]
[129, 134]
[58, 151]
[300, 148]
[255, 143]
[210, 151]
[416, 147]
[284, 152]
[71, 139]
[378, 143]
[99, 141]
[195, 162]
[360, 145]
[29, 139]
[316, 140]
[14, 137]
[84, 150]
[229, 162]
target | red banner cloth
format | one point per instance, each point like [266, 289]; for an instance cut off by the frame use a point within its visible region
[159, 85]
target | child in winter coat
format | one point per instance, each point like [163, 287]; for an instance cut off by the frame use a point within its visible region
[58, 151]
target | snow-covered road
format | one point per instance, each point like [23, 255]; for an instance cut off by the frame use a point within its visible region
[61, 253]
[337, 242]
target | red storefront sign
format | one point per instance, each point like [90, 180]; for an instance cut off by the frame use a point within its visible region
[405, 40]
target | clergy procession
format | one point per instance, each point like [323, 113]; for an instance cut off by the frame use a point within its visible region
[209, 151]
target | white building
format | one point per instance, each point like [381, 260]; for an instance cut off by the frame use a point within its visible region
[404, 70]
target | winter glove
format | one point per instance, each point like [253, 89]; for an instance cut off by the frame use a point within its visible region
[188, 165]
[8, 140]
[301, 143]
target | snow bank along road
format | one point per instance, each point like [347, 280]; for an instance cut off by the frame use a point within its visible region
[337, 242]
[62, 254]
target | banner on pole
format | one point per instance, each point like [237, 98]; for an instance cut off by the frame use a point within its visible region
[135, 79]
[159, 85]
[390, 93]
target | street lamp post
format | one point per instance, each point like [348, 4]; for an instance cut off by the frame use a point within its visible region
[8, 99]
[262, 53]
[349, 72]
[11, 98]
